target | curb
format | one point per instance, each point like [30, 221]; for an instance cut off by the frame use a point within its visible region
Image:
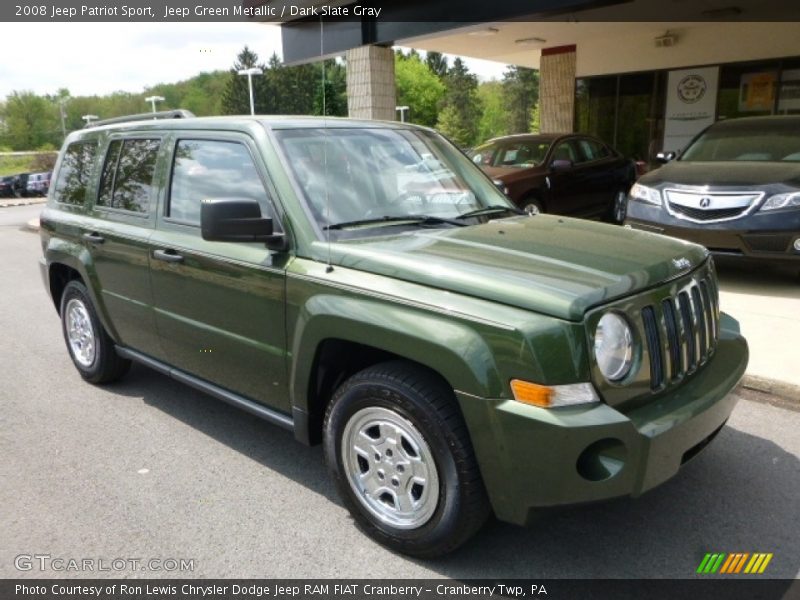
[26, 202]
[32, 225]
[773, 387]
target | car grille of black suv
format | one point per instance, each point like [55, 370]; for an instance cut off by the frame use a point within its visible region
[681, 332]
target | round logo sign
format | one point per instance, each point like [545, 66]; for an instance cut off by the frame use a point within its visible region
[691, 88]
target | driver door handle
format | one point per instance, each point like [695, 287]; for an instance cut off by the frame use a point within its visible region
[169, 256]
[93, 237]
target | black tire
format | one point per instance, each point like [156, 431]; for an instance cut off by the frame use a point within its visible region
[103, 365]
[532, 205]
[421, 399]
[619, 207]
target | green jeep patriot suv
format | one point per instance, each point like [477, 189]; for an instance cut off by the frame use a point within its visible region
[364, 285]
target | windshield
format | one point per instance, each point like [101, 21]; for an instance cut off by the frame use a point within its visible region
[773, 142]
[520, 155]
[370, 179]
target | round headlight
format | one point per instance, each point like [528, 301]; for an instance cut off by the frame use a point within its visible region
[613, 347]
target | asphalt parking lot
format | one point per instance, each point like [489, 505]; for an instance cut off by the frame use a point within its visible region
[148, 468]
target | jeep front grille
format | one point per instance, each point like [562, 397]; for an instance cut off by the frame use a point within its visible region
[681, 332]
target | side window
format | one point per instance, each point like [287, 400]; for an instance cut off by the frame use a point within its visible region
[211, 169]
[592, 150]
[565, 151]
[74, 173]
[127, 179]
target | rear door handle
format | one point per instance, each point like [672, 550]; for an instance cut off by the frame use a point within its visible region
[167, 256]
[94, 237]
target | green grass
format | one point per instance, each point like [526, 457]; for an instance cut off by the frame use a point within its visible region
[11, 165]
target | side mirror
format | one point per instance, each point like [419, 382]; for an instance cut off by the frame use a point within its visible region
[236, 220]
[665, 157]
[561, 164]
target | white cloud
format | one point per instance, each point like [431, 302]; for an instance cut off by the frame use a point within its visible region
[98, 58]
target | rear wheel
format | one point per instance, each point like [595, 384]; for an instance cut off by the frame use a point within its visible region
[90, 347]
[398, 449]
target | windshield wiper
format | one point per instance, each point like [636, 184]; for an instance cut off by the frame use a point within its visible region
[490, 210]
[407, 219]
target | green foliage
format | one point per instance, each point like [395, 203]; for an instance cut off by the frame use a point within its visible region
[521, 92]
[536, 125]
[437, 63]
[418, 88]
[236, 96]
[461, 108]
[29, 121]
[494, 120]
[11, 165]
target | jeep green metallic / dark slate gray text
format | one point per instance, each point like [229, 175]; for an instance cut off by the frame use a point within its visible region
[364, 285]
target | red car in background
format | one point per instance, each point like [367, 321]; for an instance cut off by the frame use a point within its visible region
[564, 174]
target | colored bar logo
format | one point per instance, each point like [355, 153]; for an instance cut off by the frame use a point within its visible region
[735, 563]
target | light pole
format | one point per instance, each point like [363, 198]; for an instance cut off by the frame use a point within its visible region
[402, 110]
[250, 72]
[89, 118]
[61, 103]
[153, 99]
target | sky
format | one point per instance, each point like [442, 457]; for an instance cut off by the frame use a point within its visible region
[99, 58]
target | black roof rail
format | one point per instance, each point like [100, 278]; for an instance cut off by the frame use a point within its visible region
[164, 114]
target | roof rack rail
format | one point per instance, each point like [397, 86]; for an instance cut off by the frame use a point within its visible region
[164, 114]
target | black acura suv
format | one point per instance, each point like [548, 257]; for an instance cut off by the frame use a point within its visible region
[735, 189]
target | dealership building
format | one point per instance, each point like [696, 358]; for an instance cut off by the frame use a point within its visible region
[618, 70]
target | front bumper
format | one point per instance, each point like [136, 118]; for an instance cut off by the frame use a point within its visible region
[762, 236]
[532, 457]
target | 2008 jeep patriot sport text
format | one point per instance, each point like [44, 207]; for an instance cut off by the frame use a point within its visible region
[366, 286]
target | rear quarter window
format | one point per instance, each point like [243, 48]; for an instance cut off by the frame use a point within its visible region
[127, 179]
[74, 173]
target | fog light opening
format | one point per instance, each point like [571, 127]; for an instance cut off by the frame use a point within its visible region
[602, 460]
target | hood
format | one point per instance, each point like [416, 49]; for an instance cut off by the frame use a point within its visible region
[722, 174]
[552, 265]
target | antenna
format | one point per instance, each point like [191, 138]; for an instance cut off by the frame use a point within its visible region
[329, 268]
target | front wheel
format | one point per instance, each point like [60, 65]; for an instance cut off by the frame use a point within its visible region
[399, 452]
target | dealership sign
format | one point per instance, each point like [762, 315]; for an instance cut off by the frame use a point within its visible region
[691, 105]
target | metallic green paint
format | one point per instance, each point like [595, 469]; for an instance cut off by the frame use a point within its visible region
[480, 305]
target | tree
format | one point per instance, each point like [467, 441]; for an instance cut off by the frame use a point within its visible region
[461, 108]
[494, 120]
[536, 124]
[30, 121]
[236, 97]
[419, 89]
[335, 90]
[521, 91]
[437, 63]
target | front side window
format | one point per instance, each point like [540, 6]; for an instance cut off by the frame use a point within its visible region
[592, 150]
[381, 175]
[74, 173]
[127, 179]
[211, 169]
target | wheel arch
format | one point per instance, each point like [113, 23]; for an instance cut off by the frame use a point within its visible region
[330, 347]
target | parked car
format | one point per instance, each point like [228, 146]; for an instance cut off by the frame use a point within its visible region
[370, 289]
[21, 185]
[735, 189]
[7, 186]
[569, 174]
[38, 184]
